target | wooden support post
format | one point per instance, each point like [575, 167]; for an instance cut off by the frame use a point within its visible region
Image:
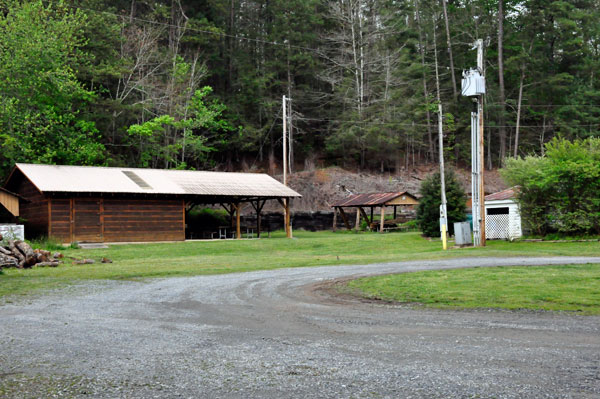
[334, 219]
[258, 208]
[230, 211]
[372, 214]
[357, 224]
[345, 218]
[238, 227]
[285, 203]
[288, 224]
[382, 221]
[364, 215]
[395, 211]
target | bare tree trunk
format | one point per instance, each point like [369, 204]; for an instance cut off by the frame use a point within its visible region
[291, 127]
[520, 101]
[449, 41]
[543, 134]
[501, 90]
[231, 43]
[519, 110]
[431, 150]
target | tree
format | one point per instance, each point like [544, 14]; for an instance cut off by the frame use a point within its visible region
[559, 192]
[43, 114]
[199, 129]
[428, 211]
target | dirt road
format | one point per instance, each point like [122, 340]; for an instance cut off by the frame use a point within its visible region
[270, 334]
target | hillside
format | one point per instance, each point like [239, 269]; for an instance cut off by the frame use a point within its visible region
[321, 187]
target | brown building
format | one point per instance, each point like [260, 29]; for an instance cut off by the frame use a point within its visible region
[403, 200]
[100, 204]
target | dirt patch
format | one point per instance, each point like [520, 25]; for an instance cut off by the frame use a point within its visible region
[321, 187]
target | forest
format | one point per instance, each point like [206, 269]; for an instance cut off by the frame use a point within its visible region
[199, 84]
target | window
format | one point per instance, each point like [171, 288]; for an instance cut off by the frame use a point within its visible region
[497, 211]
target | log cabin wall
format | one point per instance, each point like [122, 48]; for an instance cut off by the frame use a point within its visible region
[34, 210]
[144, 220]
[88, 219]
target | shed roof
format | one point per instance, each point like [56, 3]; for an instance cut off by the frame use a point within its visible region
[372, 199]
[509, 193]
[92, 179]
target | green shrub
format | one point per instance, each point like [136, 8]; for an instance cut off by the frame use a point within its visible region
[48, 243]
[206, 219]
[428, 211]
[559, 192]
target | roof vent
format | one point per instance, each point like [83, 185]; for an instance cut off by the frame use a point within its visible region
[137, 180]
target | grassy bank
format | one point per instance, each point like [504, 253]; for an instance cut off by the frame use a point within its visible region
[565, 288]
[226, 256]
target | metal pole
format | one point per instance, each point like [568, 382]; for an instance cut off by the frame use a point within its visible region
[481, 148]
[475, 177]
[284, 143]
[443, 208]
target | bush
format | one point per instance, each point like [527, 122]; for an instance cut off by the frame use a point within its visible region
[48, 243]
[559, 192]
[428, 211]
[206, 219]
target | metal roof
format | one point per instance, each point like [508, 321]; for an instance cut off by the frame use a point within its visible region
[372, 199]
[93, 179]
[509, 193]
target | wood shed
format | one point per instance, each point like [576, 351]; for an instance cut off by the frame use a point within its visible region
[102, 204]
[403, 201]
[502, 215]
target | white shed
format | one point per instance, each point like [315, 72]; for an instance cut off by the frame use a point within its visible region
[502, 216]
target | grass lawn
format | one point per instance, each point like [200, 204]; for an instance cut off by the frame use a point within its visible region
[565, 287]
[226, 256]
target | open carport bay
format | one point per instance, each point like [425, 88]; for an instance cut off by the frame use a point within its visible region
[271, 334]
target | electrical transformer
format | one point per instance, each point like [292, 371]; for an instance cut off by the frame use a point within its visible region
[473, 84]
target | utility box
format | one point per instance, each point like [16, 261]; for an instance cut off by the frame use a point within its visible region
[462, 233]
[473, 84]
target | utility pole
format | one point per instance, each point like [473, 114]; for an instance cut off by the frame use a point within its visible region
[284, 141]
[473, 85]
[286, 201]
[443, 208]
[291, 136]
[479, 44]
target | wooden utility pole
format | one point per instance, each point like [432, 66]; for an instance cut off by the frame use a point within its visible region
[479, 44]
[284, 141]
[443, 208]
[286, 201]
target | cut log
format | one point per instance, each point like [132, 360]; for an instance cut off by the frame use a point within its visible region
[16, 253]
[47, 264]
[58, 255]
[83, 261]
[27, 251]
[106, 260]
[5, 251]
[8, 261]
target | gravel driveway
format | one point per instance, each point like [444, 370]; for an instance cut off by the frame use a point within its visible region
[271, 334]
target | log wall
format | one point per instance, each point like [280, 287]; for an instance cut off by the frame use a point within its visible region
[117, 220]
[34, 211]
[144, 220]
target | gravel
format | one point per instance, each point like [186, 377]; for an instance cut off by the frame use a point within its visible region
[272, 334]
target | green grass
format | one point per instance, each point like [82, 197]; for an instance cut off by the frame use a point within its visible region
[564, 288]
[226, 256]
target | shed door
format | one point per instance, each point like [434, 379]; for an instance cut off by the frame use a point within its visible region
[87, 219]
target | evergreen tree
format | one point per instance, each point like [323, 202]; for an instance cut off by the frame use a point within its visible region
[428, 211]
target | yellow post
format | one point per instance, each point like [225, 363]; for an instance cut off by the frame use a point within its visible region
[444, 243]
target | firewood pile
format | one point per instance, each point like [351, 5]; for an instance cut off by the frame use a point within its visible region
[17, 253]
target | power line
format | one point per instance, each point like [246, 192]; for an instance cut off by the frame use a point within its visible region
[372, 123]
[220, 34]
